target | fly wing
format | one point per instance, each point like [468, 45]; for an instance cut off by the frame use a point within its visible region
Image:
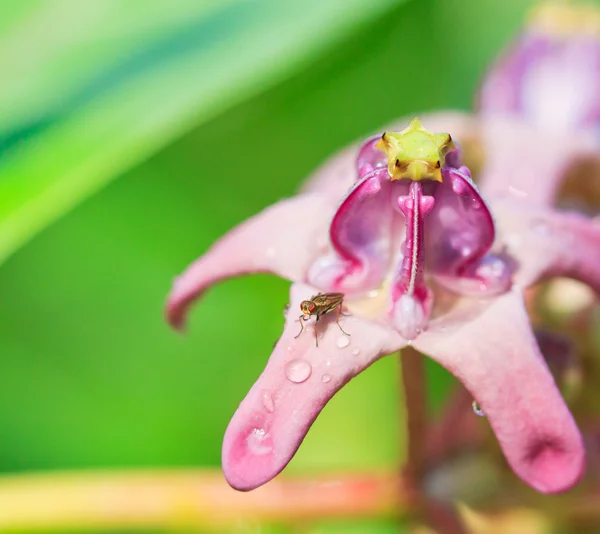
[328, 302]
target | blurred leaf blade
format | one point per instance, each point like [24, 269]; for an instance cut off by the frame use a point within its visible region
[56, 152]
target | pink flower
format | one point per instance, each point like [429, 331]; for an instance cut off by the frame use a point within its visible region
[414, 248]
[539, 105]
[551, 73]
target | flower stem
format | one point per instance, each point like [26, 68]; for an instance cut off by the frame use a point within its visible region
[441, 516]
[415, 399]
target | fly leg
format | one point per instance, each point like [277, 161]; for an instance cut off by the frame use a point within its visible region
[337, 319]
[301, 326]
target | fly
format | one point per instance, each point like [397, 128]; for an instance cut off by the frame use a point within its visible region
[319, 305]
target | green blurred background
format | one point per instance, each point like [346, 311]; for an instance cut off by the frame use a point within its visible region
[206, 112]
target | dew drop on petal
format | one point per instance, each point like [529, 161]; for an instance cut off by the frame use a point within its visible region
[355, 352]
[325, 378]
[259, 442]
[477, 409]
[342, 342]
[267, 400]
[540, 227]
[322, 242]
[513, 240]
[516, 192]
[297, 370]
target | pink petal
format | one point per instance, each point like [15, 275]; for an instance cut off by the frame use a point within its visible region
[298, 381]
[335, 176]
[283, 239]
[546, 243]
[360, 234]
[495, 355]
[522, 162]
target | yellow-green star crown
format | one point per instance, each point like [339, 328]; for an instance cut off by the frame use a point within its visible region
[415, 153]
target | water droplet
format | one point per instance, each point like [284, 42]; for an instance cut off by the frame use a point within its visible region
[259, 442]
[298, 370]
[328, 362]
[325, 378]
[268, 403]
[342, 342]
[477, 409]
[322, 243]
[355, 351]
[374, 293]
[540, 227]
[513, 240]
[516, 191]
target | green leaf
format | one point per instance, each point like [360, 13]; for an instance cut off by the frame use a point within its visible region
[92, 88]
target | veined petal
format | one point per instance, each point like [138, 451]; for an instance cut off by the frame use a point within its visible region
[495, 355]
[459, 233]
[298, 381]
[283, 239]
[360, 234]
[548, 243]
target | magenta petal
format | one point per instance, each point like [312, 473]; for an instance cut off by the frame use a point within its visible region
[283, 239]
[298, 381]
[496, 356]
[459, 233]
[547, 243]
[360, 234]
[369, 158]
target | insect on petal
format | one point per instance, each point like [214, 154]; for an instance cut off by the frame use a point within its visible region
[297, 383]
